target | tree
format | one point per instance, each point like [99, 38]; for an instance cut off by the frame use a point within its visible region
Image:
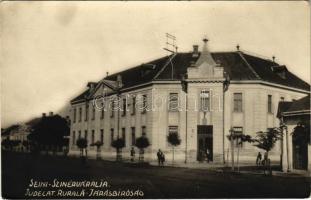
[174, 140]
[82, 144]
[118, 144]
[239, 139]
[266, 141]
[49, 131]
[142, 142]
[98, 144]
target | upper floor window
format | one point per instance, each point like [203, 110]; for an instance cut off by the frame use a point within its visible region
[237, 102]
[133, 105]
[80, 114]
[93, 113]
[205, 100]
[144, 103]
[102, 115]
[112, 108]
[86, 112]
[173, 102]
[269, 103]
[79, 136]
[74, 115]
[124, 107]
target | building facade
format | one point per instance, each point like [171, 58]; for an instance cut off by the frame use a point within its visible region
[199, 95]
[295, 120]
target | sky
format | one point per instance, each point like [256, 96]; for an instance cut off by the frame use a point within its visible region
[50, 50]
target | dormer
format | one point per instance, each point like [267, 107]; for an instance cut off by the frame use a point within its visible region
[280, 70]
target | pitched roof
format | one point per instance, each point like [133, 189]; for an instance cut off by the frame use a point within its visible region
[302, 104]
[238, 65]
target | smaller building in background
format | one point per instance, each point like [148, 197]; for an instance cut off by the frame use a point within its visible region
[295, 121]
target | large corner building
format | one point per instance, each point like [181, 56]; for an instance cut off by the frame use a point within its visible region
[201, 95]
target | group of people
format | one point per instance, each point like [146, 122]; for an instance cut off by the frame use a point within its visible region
[161, 158]
[160, 155]
[259, 160]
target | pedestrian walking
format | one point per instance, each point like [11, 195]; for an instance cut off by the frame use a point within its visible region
[207, 154]
[258, 159]
[159, 155]
[162, 159]
[132, 154]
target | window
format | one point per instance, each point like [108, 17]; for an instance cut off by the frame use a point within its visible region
[173, 102]
[123, 107]
[79, 135]
[133, 105]
[73, 138]
[93, 136]
[123, 135]
[133, 137]
[85, 134]
[205, 100]
[112, 108]
[111, 134]
[144, 103]
[143, 130]
[102, 136]
[238, 131]
[80, 114]
[282, 99]
[237, 102]
[74, 115]
[102, 115]
[269, 103]
[86, 112]
[93, 113]
[173, 129]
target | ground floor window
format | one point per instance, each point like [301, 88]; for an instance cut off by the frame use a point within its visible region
[133, 136]
[123, 135]
[238, 131]
[102, 136]
[73, 138]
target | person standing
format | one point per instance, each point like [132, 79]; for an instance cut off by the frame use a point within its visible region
[207, 154]
[258, 159]
[162, 159]
[159, 155]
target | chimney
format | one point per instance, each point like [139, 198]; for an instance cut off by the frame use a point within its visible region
[51, 114]
[119, 81]
[43, 115]
[238, 47]
[91, 85]
[195, 52]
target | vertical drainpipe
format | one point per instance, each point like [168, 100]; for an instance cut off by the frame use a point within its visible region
[225, 88]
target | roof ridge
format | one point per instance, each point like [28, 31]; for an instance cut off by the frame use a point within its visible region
[250, 67]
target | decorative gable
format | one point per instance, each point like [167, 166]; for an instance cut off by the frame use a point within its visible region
[205, 67]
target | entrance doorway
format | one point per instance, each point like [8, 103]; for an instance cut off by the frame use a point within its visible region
[300, 148]
[205, 142]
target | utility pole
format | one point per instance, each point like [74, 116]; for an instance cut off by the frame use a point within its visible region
[232, 148]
